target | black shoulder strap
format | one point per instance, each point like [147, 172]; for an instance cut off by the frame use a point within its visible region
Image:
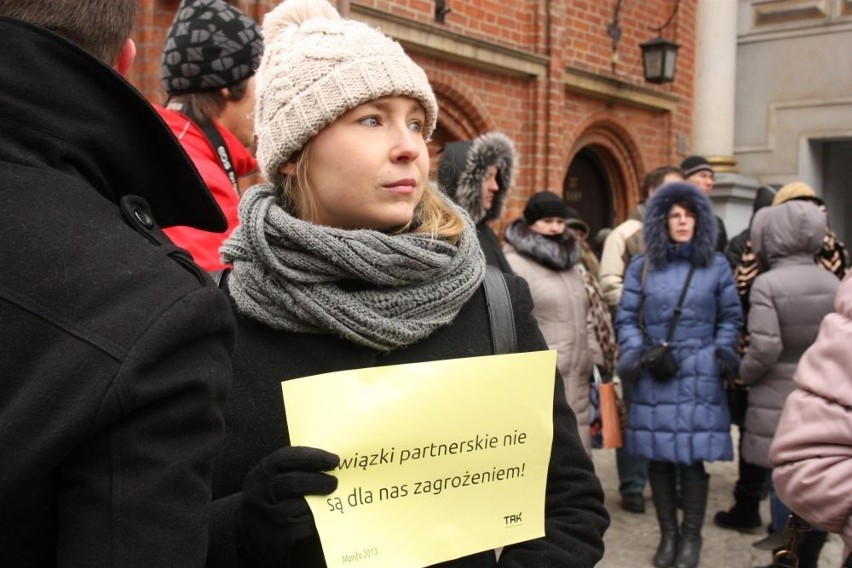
[219, 147]
[642, 296]
[220, 277]
[500, 315]
[678, 309]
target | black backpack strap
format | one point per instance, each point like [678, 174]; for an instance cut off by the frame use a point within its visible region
[500, 315]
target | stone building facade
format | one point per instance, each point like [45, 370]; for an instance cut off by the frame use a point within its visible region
[546, 72]
[794, 98]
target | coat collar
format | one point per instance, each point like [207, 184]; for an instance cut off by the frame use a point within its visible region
[556, 254]
[62, 109]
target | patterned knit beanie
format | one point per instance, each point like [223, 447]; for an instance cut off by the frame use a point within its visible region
[210, 45]
[316, 67]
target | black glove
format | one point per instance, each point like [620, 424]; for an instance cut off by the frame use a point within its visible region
[729, 363]
[273, 515]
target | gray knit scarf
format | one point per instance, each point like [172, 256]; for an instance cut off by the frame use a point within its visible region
[374, 289]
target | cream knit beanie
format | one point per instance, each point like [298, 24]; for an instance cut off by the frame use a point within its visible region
[315, 67]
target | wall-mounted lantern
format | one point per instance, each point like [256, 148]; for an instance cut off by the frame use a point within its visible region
[659, 59]
[659, 55]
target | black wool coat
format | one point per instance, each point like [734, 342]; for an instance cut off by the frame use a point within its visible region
[256, 426]
[114, 347]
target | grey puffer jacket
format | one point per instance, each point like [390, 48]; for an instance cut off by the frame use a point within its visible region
[461, 170]
[788, 302]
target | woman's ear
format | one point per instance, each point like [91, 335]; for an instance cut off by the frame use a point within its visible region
[287, 169]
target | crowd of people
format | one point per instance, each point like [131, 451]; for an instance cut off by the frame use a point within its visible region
[143, 419]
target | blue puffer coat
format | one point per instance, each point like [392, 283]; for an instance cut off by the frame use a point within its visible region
[684, 419]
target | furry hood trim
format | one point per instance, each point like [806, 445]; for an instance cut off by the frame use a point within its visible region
[558, 254]
[461, 170]
[656, 228]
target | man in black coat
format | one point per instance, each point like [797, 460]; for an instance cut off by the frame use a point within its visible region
[115, 347]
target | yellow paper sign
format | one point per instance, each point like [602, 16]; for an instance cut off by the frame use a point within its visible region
[438, 460]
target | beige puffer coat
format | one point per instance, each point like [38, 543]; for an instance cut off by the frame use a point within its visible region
[555, 277]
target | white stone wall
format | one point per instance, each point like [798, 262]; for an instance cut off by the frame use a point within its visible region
[793, 109]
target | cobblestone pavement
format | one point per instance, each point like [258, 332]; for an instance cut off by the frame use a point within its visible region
[632, 538]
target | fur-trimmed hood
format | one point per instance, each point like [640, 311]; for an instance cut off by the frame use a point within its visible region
[462, 166]
[655, 230]
[556, 254]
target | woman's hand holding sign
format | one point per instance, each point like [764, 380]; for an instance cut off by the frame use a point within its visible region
[273, 514]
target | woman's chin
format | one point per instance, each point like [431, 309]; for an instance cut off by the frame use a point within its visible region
[391, 222]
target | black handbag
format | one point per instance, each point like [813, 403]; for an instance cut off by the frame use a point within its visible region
[659, 360]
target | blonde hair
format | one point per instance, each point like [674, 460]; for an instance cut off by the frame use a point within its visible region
[434, 215]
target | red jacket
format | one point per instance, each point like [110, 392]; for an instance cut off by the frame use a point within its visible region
[202, 245]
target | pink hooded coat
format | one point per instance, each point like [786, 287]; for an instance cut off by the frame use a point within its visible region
[812, 448]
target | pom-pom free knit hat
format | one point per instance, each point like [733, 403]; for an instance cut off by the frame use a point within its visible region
[209, 46]
[695, 164]
[316, 67]
[542, 205]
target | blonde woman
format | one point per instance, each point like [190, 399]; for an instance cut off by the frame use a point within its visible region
[350, 258]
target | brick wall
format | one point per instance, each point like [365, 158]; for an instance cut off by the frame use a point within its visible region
[549, 123]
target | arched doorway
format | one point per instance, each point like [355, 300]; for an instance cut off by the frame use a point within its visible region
[588, 189]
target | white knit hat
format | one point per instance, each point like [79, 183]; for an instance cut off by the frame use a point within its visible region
[316, 66]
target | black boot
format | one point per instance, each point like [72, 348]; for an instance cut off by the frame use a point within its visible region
[744, 516]
[664, 495]
[751, 486]
[694, 497]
